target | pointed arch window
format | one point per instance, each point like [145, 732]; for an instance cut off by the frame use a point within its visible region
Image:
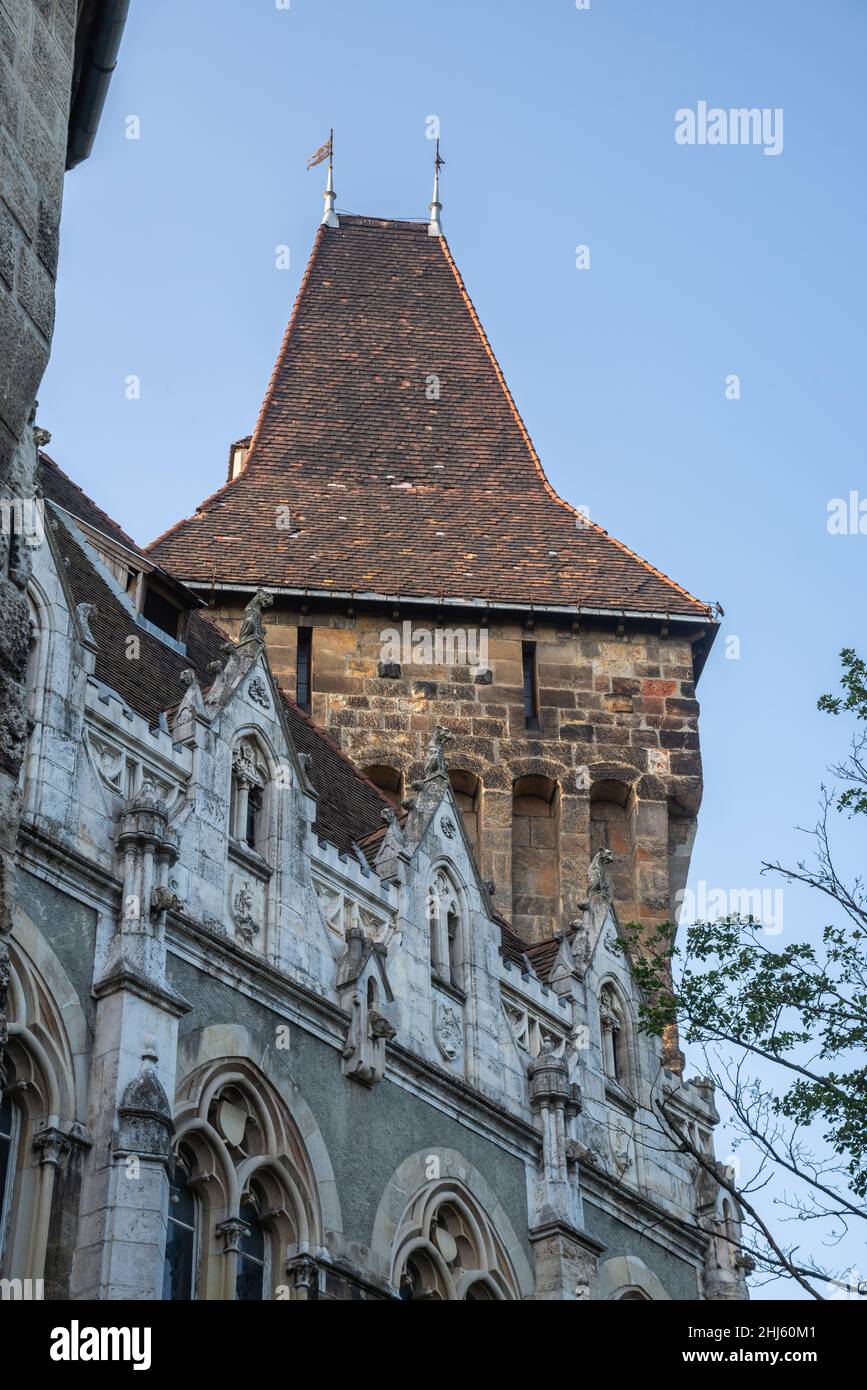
[179, 1269]
[447, 1251]
[247, 810]
[250, 1280]
[10, 1126]
[614, 1019]
[446, 930]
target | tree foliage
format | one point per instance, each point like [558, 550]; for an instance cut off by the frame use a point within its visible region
[783, 1029]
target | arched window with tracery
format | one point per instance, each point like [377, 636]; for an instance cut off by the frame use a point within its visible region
[256, 1198]
[37, 1135]
[445, 914]
[446, 1250]
[10, 1126]
[251, 1278]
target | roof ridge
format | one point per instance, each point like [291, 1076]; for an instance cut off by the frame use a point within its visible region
[525, 434]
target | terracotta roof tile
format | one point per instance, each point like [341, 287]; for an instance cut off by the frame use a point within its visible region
[384, 490]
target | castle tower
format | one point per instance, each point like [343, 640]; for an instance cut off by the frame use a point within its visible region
[424, 572]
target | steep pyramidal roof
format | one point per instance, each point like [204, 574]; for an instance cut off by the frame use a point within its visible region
[389, 457]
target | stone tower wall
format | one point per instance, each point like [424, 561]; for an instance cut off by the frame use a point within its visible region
[615, 763]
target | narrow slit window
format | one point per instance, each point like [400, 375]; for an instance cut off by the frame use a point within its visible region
[255, 802]
[304, 669]
[531, 700]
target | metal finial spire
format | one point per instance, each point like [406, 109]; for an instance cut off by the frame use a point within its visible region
[326, 151]
[435, 226]
[329, 217]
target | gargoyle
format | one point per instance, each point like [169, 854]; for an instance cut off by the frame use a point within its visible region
[252, 626]
[597, 878]
[435, 761]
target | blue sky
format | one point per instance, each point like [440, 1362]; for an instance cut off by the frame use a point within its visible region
[558, 130]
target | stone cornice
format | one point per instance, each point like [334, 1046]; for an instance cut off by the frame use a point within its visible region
[125, 977]
[39, 854]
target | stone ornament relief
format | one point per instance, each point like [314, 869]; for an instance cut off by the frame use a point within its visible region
[124, 775]
[532, 1034]
[258, 693]
[243, 904]
[342, 912]
[448, 1030]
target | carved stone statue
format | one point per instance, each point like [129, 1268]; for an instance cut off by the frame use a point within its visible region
[435, 761]
[163, 900]
[252, 626]
[597, 878]
[242, 910]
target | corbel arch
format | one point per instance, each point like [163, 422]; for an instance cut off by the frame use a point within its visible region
[536, 831]
[614, 800]
[468, 790]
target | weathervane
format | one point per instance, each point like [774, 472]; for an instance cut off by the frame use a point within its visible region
[326, 151]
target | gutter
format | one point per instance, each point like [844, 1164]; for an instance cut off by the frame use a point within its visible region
[432, 601]
[94, 69]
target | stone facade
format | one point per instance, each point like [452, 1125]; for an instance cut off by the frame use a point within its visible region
[270, 1035]
[615, 762]
[247, 1063]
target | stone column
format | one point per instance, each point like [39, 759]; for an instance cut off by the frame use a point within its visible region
[566, 1257]
[125, 1186]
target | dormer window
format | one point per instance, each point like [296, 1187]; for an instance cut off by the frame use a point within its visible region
[158, 609]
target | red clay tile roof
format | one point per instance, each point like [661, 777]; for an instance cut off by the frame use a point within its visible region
[385, 491]
[512, 947]
[349, 809]
[543, 955]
